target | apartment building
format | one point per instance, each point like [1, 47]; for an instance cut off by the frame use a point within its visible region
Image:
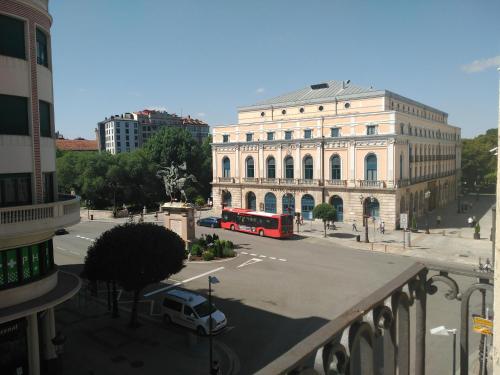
[368, 152]
[126, 132]
[30, 208]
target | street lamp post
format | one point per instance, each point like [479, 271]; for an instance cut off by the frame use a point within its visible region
[211, 280]
[443, 331]
[427, 196]
[365, 216]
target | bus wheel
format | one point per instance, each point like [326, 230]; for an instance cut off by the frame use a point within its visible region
[232, 227]
[261, 233]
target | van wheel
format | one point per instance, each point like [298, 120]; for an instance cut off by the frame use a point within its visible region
[261, 233]
[167, 319]
[232, 227]
[201, 331]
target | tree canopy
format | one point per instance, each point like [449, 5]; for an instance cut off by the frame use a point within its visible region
[479, 164]
[325, 212]
[135, 255]
[130, 178]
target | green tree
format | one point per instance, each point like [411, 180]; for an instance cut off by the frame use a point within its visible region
[140, 254]
[171, 145]
[478, 162]
[325, 212]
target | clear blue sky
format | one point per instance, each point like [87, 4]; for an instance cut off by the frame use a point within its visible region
[206, 58]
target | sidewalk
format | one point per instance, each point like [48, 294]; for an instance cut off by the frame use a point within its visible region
[452, 241]
[111, 348]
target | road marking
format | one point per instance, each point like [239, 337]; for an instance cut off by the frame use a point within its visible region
[250, 261]
[283, 260]
[244, 252]
[262, 256]
[273, 258]
[254, 255]
[68, 251]
[182, 282]
[85, 238]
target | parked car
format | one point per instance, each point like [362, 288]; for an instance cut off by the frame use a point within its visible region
[212, 222]
[191, 310]
[61, 231]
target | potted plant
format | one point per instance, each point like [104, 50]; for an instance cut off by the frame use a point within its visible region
[477, 230]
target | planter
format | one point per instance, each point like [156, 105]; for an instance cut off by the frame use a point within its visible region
[477, 236]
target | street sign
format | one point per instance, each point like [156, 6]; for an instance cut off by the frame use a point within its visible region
[482, 325]
[403, 220]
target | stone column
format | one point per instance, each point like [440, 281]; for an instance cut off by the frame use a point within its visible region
[297, 166]
[237, 169]
[390, 163]
[214, 164]
[351, 164]
[279, 163]
[318, 170]
[48, 329]
[33, 347]
[261, 160]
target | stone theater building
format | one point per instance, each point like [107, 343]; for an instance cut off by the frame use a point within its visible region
[365, 151]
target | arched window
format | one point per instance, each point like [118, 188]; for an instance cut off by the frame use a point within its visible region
[226, 198]
[250, 167]
[371, 167]
[288, 204]
[288, 167]
[270, 203]
[338, 204]
[271, 167]
[308, 168]
[226, 167]
[251, 201]
[335, 167]
[307, 206]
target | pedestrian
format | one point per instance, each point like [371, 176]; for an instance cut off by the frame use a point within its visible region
[354, 227]
[382, 227]
[302, 220]
[474, 220]
[438, 220]
[469, 221]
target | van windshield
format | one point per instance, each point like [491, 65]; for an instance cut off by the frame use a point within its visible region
[203, 309]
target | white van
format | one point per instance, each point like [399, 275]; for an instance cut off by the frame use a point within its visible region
[192, 311]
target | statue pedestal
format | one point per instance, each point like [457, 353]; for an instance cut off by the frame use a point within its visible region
[180, 219]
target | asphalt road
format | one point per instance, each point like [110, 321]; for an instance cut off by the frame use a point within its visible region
[276, 292]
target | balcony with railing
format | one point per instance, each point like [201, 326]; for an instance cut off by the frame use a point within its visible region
[376, 184]
[225, 179]
[336, 183]
[251, 180]
[309, 182]
[37, 218]
[374, 336]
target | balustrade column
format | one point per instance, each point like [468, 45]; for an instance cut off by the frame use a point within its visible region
[420, 320]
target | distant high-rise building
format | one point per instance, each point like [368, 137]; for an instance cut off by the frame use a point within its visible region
[30, 208]
[128, 131]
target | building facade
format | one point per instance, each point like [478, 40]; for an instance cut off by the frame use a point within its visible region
[126, 132]
[367, 152]
[30, 208]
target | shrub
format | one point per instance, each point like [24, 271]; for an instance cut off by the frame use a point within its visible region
[477, 228]
[218, 248]
[229, 245]
[211, 238]
[228, 253]
[196, 249]
[207, 255]
[199, 201]
[201, 242]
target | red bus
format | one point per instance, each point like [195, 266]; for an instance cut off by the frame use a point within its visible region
[261, 223]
